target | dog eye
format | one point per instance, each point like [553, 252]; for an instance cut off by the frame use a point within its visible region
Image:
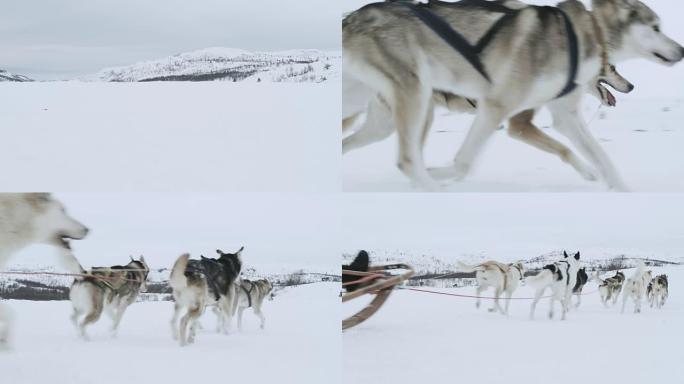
[656, 28]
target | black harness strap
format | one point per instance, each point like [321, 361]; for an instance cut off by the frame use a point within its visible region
[249, 293]
[573, 47]
[472, 53]
[449, 35]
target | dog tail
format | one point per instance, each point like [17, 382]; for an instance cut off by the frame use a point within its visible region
[468, 268]
[545, 277]
[178, 279]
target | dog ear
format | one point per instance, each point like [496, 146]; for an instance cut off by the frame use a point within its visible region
[240, 250]
[219, 252]
[565, 254]
[577, 255]
[142, 258]
[132, 259]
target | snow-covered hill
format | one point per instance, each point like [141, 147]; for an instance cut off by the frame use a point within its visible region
[8, 76]
[229, 64]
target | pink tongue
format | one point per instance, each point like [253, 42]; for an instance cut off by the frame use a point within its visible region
[611, 99]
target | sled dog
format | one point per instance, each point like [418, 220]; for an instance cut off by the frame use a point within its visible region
[508, 59]
[610, 288]
[251, 294]
[504, 278]
[111, 288]
[197, 283]
[35, 218]
[561, 277]
[635, 287]
[657, 291]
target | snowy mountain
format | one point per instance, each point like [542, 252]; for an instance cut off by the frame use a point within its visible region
[228, 64]
[8, 76]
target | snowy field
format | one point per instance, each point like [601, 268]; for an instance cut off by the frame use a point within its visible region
[300, 344]
[419, 337]
[211, 136]
[642, 136]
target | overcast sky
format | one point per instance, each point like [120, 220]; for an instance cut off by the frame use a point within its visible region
[67, 38]
[515, 226]
[280, 232]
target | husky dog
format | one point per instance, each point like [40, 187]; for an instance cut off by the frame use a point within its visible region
[361, 263]
[251, 294]
[504, 278]
[403, 52]
[198, 283]
[561, 277]
[113, 288]
[635, 287]
[657, 291]
[35, 218]
[610, 288]
[582, 279]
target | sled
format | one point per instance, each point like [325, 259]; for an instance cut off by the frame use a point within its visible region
[380, 282]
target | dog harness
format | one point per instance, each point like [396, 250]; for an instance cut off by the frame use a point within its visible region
[472, 52]
[248, 293]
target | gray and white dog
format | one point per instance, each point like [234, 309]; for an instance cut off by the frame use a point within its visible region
[112, 288]
[394, 60]
[251, 294]
[610, 288]
[35, 218]
[657, 291]
[198, 283]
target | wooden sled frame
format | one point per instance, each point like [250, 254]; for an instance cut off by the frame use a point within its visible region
[382, 286]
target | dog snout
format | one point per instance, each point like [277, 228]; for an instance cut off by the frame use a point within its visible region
[630, 87]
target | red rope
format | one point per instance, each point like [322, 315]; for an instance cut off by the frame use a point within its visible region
[479, 297]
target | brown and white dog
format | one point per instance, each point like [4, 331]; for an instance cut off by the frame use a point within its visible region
[113, 288]
[504, 278]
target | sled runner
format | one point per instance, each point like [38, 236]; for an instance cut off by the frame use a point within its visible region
[376, 280]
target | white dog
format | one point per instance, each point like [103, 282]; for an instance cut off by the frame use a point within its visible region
[635, 287]
[504, 278]
[35, 218]
[561, 277]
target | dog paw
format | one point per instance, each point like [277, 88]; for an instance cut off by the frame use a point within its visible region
[453, 172]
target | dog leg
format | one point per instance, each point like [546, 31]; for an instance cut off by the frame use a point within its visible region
[174, 321]
[537, 295]
[489, 117]
[5, 327]
[496, 306]
[508, 301]
[624, 302]
[410, 114]
[551, 305]
[478, 293]
[258, 312]
[567, 121]
[190, 317]
[121, 307]
[520, 127]
[377, 126]
[239, 318]
[90, 318]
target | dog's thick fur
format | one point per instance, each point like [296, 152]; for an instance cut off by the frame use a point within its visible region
[35, 218]
[197, 283]
[252, 293]
[561, 277]
[582, 279]
[657, 291]
[113, 288]
[504, 278]
[610, 288]
[635, 287]
[394, 62]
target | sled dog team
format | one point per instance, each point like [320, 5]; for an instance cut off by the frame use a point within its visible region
[500, 60]
[196, 284]
[564, 279]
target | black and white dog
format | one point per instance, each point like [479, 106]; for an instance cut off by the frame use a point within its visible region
[198, 283]
[561, 277]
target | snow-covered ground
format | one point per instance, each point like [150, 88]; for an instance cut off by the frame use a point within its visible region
[641, 135]
[420, 337]
[209, 136]
[301, 344]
